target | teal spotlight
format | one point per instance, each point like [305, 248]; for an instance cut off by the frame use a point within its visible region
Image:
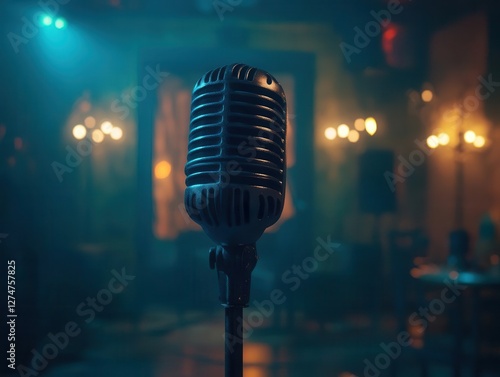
[60, 23]
[46, 20]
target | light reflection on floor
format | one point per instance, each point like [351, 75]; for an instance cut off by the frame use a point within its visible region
[197, 349]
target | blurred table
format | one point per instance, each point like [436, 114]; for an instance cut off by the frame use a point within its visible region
[466, 280]
[440, 274]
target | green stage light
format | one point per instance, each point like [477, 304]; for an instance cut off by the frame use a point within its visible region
[60, 23]
[47, 20]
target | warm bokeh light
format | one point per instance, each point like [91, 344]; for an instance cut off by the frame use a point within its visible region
[353, 136]
[116, 133]
[343, 131]
[479, 142]
[443, 138]
[330, 133]
[433, 141]
[79, 132]
[359, 124]
[162, 169]
[371, 126]
[257, 353]
[427, 95]
[106, 127]
[89, 122]
[255, 371]
[470, 136]
[97, 136]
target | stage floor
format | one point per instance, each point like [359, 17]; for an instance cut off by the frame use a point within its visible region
[165, 344]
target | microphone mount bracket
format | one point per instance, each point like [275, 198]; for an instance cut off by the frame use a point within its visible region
[234, 269]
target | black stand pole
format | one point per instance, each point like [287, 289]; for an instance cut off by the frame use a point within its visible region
[234, 342]
[459, 238]
[234, 269]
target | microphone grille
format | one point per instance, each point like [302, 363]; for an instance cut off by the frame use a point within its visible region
[238, 115]
[205, 206]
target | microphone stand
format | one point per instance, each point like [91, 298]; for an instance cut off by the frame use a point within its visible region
[234, 270]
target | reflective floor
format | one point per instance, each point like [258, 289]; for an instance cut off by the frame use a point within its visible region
[164, 345]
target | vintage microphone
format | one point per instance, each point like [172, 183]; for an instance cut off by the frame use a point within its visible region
[235, 180]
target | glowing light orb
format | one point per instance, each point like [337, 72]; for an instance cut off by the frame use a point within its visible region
[46, 20]
[433, 141]
[60, 23]
[479, 142]
[443, 138]
[97, 136]
[469, 136]
[89, 122]
[371, 126]
[343, 131]
[116, 133]
[330, 133]
[162, 170]
[353, 136]
[106, 127]
[359, 124]
[79, 132]
[427, 95]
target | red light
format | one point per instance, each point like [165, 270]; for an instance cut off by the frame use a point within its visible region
[398, 46]
[390, 33]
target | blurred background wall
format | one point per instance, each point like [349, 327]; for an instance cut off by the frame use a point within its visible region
[69, 226]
